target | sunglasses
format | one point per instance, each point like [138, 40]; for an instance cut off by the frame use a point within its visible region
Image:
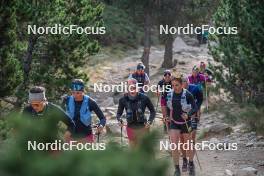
[77, 87]
[132, 87]
[167, 74]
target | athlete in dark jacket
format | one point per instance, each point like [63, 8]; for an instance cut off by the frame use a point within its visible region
[135, 105]
[40, 109]
[164, 86]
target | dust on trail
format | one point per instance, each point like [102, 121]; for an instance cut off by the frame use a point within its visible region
[213, 162]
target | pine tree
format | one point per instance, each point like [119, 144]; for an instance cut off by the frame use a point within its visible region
[240, 55]
[11, 73]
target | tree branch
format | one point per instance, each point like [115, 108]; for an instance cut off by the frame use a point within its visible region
[9, 101]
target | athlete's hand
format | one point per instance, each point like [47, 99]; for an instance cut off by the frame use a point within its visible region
[147, 125]
[184, 116]
[120, 123]
[67, 136]
[165, 120]
[100, 129]
[158, 93]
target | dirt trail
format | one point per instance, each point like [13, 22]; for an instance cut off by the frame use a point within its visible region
[213, 162]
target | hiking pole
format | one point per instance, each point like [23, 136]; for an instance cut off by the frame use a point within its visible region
[121, 135]
[98, 137]
[121, 132]
[156, 107]
[97, 133]
[189, 132]
[157, 103]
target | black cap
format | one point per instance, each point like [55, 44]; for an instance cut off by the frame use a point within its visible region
[140, 66]
[167, 72]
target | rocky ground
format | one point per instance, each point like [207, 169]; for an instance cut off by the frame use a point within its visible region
[247, 160]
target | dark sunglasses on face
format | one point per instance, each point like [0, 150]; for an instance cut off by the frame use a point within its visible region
[77, 87]
[131, 87]
[167, 74]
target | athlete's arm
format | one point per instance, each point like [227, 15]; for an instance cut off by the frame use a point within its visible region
[205, 78]
[199, 98]
[159, 86]
[63, 117]
[95, 108]
[146, 79]
[191, 101]
[130, 76]
[151, 110]
[120, 109]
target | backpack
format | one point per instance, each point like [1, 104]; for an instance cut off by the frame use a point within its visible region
[184, 104]
[140, 78]
[85, 114]
[139, 111]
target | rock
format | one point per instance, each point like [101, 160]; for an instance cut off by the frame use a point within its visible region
[218, 128]
[250, 144]
[253, 133]
[190, 41]
[214, 140]
[251, 136]
[210, 122]
[108, 102]
[182, 62]
[237, 130]
[229, 173]
[110, 108]
[260, 144]
[153, 66]
[112, 114]
[248, 171]
[114, 129]
[261, 163]
[179, 44]
[243, 139]
[259, 138]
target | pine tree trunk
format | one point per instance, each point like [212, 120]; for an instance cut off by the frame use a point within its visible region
[168, 54]
[147, 37]
[28, 57]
